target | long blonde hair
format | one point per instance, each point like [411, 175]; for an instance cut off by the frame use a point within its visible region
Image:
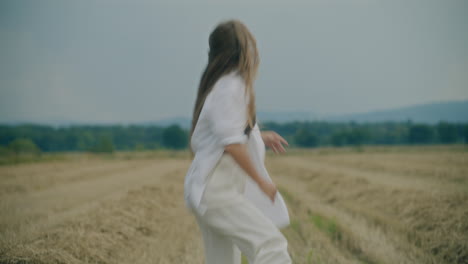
[232, 47]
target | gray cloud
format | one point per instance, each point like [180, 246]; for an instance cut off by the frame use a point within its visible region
[122, 61]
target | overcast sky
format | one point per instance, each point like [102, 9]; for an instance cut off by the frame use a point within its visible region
[134, 61]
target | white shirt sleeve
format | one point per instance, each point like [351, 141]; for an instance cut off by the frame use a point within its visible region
[227, 114]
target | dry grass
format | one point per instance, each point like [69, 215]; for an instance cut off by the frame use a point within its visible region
[348, 205]
[419, 218]
[144, 224]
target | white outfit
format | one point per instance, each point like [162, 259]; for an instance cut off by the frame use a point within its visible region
[222, 122]
[231, 210]
[232, 224]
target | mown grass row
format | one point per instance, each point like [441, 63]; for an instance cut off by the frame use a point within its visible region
[328, 226]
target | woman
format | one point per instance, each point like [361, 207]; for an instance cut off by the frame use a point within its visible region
[227, 187]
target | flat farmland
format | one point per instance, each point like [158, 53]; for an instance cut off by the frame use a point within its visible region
[396, 204]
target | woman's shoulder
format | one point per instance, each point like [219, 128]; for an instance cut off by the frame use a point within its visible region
[229, 85]
[230, 82]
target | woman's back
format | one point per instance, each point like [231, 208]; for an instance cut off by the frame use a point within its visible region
[227, 94]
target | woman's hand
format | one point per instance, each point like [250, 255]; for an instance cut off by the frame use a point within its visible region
[269, 189]
[274, 141]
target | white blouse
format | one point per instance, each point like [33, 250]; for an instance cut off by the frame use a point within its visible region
[222, 122]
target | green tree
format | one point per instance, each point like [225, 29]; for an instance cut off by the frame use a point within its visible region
[357, 136]
[465, 133]
[23, 145]
[338, 138]
[4, 151]
[447, 133]
[421, 133]
[305, 138]
[174, 137]
[104, 145]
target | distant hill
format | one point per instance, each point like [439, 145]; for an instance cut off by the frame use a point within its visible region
[431, 113]
[283, 117]
[451, 111]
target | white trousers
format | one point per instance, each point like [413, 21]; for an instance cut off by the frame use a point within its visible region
[232, 224]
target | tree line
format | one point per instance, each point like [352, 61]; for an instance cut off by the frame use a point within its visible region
[313, 134]
[109, 138]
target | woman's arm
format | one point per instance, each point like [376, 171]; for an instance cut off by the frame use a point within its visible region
[241, 156]
[228, 116]
[274, 141]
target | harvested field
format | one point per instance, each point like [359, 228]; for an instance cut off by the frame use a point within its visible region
[347, 205]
